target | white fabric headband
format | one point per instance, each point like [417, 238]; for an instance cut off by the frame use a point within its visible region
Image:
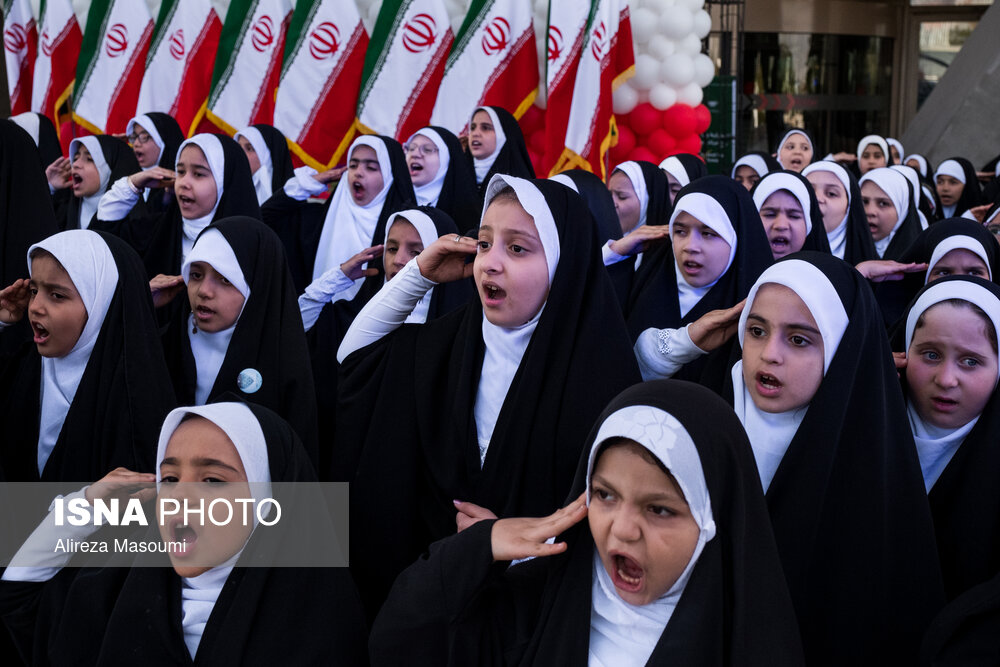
[782, 181]
[533, 202]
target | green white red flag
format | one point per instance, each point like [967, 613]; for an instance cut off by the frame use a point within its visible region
[317, 96]
[607, 60]
[403, 67]
[567, 30]
[55, 64]
[112, 60]
[248, 64]
[493, 62]
[20, 40]
[179, 66]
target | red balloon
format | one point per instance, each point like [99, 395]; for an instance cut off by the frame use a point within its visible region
[643, 153]
[703, 119]
[536, 141]
[679, 120]
[644, 119]
[661, 143]
[689, 144]
[626, 141]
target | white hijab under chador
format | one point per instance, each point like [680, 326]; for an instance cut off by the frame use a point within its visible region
[88, 205]
[621, 633]
[261, 177]
[209, 349]
[91, 266]
[838, 237]
[348, 227]
[429, 193]
[428, 235]
[505, 347]
[710, 213]
[482, 166]
[212, 148]
[199, 594]
[935, 445]
[897, 188]
[770, 433]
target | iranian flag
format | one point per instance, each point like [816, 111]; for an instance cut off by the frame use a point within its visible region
[20, 40]
[179, 66]
[403, 67]
[248, 64]
[492, 63]
[566, 33]
[55, 65]
[112, 58]
[591, 127]
[318, 93]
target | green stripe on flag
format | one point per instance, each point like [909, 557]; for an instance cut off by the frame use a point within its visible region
[97, 24]
[302, 18]
[386, 26]
[233, 32]
[477, 14]
[167, 11]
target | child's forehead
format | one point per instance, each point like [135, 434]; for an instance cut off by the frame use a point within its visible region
[193, 155]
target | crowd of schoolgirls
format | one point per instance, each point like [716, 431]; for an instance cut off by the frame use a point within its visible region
[666, 418]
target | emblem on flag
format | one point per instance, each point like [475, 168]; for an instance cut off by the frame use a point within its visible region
[324, 41]
[419, 33]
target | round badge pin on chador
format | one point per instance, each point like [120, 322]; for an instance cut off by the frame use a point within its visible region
[249, 380]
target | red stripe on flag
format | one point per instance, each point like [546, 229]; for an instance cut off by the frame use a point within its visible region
[516, 78]
[263, 108]
[560, 101]
[65, 50]
[420, 105]
[332, 116]
[196, 80]
[126, 95]
[20, 97]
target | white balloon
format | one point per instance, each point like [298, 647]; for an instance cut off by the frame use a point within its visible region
[675, 23]
[660, 47]
[704, 69]
[677, 70]
[659, 6]
[690, 45]
[690, 94]
[647, 72]
[625, 99]
[702, 24]
[643, 25]
[693, 5]
[662, 96]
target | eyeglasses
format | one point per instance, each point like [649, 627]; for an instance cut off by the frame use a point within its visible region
[421, 150]
[137, 139]
[995, 230]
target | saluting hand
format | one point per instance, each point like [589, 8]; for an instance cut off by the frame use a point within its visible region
[164, 288]
[123, 484]
[58, 173]
[640, 239]
[352, 268]
[154, 177]
[444, 260]
[515, 539]
[330, 175]
[13, 301]
[714, 328]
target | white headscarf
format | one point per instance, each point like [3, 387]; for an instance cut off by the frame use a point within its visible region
[838, 237]
[261, 177]
[675, 168]
[770, 433]
[91, 266]
[199, 594]
[428, 235]
[505, 347]
[785, 138]
[622, 633]
[755, 162]
[212, 148]
[782, 181]
[921, 160]
[567, 181]
[147, 124]
[88, 205]
[710, 213]
[483, 166]
[209, 349]
[897, 188]
[28, 121]
[878, 141]
[428, 194]
[633, 171]
[951, 168]
[914, 179]
[958, 242]
[936, 446]
[899, 147]
[348, 227]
